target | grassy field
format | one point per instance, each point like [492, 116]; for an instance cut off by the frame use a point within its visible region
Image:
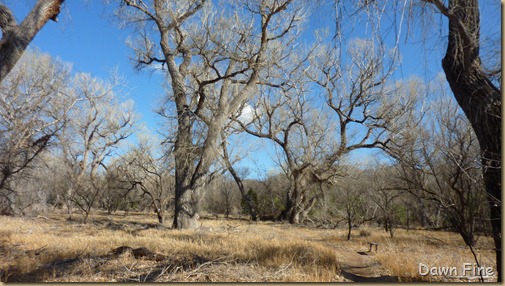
[135, 248]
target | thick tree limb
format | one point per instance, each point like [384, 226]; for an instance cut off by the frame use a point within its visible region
[16, 38]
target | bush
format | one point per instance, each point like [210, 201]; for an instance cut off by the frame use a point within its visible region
[364, 233]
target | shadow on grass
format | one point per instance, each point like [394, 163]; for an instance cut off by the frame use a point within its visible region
[59, 268]
[56, 269]
[126, 225]
[52, 269]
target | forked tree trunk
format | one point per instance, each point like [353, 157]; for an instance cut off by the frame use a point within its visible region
[479, 99]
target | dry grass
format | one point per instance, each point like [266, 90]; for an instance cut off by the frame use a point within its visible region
[56, 250]
[402, 255]
[221, 250]
[407, 251]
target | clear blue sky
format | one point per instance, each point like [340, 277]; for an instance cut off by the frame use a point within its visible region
[87, 36]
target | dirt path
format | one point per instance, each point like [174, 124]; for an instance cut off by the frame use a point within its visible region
[361, 267]
[358, 266]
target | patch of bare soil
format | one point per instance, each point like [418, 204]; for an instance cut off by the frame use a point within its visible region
[361, 267]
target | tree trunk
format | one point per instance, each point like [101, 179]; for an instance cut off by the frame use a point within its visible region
[296, 208]
[307, 208]
[349, 226]
[186, 215]
[408, 220]
[294, 217]
[159, 214]
[16, 38]
[292, 211]
[86, 215]
[479, 99]
[68, 203]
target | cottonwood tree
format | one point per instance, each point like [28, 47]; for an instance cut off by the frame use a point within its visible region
[93, 131]
[146, 168]
[299, 130]
[472, 81]
[214, 56]
[368, 111]
[479, 98]
[369, 107]
[17, 36]
[34, 105]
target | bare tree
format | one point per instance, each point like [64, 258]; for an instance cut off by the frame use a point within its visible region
[386, 196]
[454, 163]
[286, 117]
[146, 168]
[93, 132]
[16, 37]
[237, 175]
[369, 110]
[472, 82]
[34, 104]
[479, 98]
[354, 203]
[214, 58]
[369, 107]
[439, 162]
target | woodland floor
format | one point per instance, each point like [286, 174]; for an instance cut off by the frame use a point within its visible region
[134, 248]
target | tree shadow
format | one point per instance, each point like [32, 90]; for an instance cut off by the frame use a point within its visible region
[358, 278]
[63, 267]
